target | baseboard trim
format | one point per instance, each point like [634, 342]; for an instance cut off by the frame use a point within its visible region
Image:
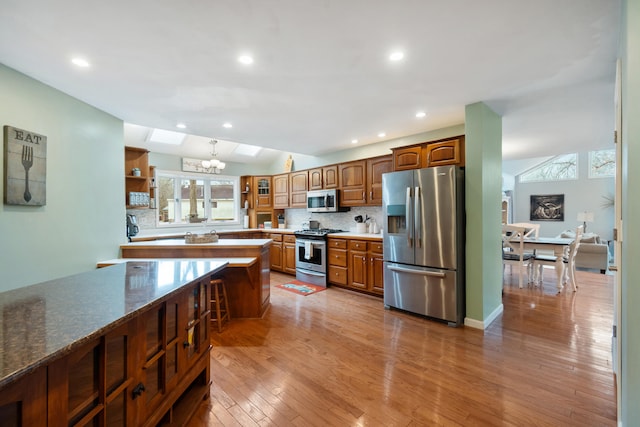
[484, 324]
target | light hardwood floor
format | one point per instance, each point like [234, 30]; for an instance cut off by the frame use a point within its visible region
[338, 358]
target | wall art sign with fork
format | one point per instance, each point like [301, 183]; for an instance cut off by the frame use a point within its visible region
[25, 167]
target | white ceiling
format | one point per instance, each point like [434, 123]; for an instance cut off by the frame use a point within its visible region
[321, 76]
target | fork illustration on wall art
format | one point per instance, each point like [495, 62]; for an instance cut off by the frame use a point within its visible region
[25, 172]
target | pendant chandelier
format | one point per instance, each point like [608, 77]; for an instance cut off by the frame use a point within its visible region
[214, 165]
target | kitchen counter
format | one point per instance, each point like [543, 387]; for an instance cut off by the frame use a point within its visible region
[248, 287]
[353, 235]
[46, 321]
[222, 233]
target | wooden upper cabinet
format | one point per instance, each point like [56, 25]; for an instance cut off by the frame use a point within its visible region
[315, 179]
[376, 166]
[262, 191]
[330, 177]
[449, 152]
[406, 158]
[281, 191]
[299, 186]
[323, 178]
[352, 178]
[136, 158]
[429, 154]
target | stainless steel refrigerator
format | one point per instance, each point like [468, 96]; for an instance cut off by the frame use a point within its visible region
[424, 242]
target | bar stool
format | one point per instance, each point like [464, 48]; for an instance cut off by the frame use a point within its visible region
[219, 303]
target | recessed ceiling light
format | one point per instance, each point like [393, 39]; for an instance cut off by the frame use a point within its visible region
[227, 125]
[354, 141]
[80, 62]
[396, 56]
[245, 59]
[181, 126]
[382, 135]
[420, 114]
[166, 137]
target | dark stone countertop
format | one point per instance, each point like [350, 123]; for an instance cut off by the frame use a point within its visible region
[42, 322]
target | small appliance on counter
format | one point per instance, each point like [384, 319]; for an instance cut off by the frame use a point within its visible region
[132, 226]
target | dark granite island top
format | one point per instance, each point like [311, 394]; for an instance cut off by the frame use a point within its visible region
[45, 321]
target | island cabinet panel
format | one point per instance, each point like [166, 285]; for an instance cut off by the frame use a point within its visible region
[135, 374]
[352, 177]
[24, 403]
[94, 383]
[146, 366]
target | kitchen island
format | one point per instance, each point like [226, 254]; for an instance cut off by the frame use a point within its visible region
[248, 287]
[124, 345]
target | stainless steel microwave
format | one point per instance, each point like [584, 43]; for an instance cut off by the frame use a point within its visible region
[322, 201]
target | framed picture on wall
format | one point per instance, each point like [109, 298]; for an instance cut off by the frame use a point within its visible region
[548, 207]
[25, 167]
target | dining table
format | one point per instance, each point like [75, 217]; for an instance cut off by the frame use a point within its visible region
[559, 246]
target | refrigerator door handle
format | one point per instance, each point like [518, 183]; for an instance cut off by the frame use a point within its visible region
[418, 272]
[409, 219]
[417, 220]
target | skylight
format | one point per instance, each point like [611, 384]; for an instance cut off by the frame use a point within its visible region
[166, 137]
[247, 150]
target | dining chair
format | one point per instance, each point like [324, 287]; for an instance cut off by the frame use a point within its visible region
[568, 259]
[513, 252]
[531, 230]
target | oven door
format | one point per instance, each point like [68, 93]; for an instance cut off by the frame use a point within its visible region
[310, 255]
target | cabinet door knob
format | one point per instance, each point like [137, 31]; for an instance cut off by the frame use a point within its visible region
[137, 390]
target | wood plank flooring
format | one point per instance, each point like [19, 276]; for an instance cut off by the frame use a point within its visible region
[338, 358]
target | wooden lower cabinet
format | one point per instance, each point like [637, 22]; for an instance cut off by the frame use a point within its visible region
[289, 254]
[152, 370]
[376, 268]
[356, 264]
[275, 252]
[337, 262]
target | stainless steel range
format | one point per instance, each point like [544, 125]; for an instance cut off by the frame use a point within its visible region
[311, 255]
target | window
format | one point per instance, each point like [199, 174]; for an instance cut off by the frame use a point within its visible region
[560, 168]
[602, 163]
[197, 199]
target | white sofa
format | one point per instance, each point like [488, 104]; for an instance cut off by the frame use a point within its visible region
[593, 253]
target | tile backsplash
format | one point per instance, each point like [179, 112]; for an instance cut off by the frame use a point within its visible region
[295, 218]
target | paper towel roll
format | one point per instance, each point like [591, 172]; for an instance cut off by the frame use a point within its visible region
[246, 221]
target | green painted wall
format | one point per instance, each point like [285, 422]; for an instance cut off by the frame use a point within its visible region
[84, 218]
[629, 331]
[483, 181]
